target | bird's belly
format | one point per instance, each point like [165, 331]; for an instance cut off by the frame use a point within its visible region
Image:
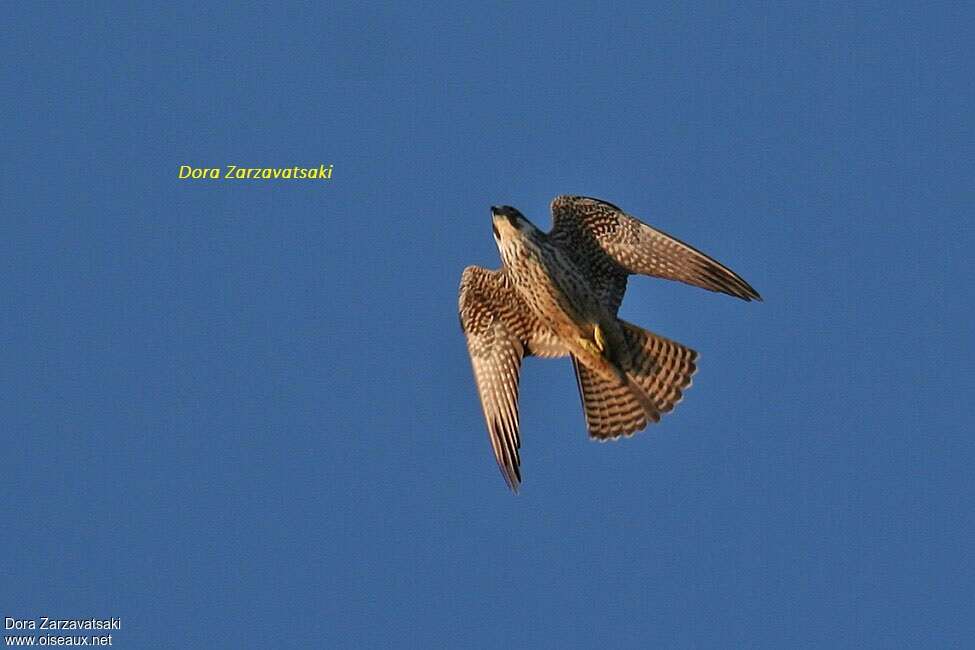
[562, 305]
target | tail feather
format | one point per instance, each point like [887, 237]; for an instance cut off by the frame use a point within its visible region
[658, 370]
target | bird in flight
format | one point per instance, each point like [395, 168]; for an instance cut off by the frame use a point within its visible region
[557, 294]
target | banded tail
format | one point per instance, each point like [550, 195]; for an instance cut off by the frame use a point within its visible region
[657, 369]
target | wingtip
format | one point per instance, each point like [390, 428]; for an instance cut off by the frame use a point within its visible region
[746, 291]
[512, 479]
[514, 484]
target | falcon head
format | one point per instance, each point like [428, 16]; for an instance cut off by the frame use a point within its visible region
[507, 222]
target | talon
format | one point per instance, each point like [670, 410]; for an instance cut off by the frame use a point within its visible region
[590, 347]
[597, 334]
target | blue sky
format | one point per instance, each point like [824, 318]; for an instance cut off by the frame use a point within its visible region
[241, 414]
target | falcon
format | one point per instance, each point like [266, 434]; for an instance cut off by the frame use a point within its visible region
[557, 294]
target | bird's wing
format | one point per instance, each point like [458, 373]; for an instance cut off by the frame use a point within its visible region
[499, 330]
[614, 244]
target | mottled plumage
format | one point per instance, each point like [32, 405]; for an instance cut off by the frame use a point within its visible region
[557, 294]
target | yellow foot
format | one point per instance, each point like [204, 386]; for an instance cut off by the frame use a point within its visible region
[590, 347]
[597, 334]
